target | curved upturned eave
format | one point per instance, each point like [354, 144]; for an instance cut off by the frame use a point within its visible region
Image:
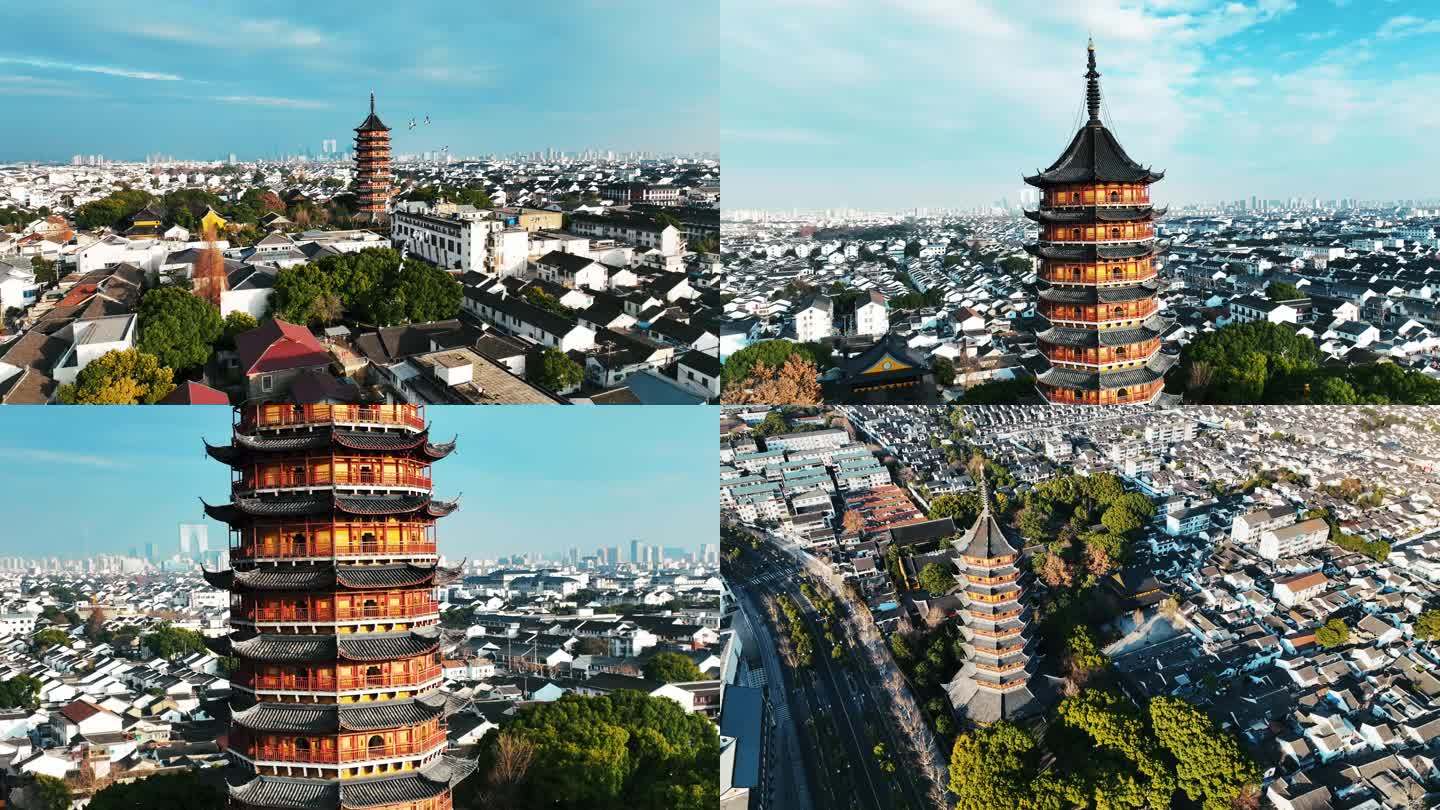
[1096, 213]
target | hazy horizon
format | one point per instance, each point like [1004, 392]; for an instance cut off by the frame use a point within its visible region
[106, 480]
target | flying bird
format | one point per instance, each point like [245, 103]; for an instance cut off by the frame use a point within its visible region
[427, 120]
[412, 123]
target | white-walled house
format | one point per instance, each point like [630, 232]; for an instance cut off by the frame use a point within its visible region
[872, 317]
[815, 320]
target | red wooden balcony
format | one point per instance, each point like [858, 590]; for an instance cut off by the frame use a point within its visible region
[277, 414]
[327, 755]
[299, 614]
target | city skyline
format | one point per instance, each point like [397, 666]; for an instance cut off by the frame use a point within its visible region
[278, 78]
[959, 100]
[600, 468]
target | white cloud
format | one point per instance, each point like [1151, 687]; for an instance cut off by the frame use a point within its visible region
[272, 101]
[102, 69]
[235, 34]
[1316, 36]
[36, 456]
[32, 86]
[1407, 26]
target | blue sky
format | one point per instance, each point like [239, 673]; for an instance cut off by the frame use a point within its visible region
[79, 481]
[203, 80]
[831, 103]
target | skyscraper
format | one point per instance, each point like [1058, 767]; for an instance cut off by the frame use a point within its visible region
[336, 699]
[1098, 268]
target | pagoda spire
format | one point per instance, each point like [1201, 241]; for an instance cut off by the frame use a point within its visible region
[372, 92]
[1092, 86]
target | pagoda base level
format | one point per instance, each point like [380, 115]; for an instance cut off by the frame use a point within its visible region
[1136, 395]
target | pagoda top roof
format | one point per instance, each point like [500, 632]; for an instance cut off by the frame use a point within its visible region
[985, 538]
[291, 793]
[1093, 156]
[372, 122]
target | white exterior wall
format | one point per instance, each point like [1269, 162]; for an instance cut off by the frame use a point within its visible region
[872, 319]
[812, 325]
[255, 302]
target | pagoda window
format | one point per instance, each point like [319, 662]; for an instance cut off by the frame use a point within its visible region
[1120, 351]
[298, 471]
[1116, 272]
[302, 746]
[1118, 312]
[1114, 196]
[298, 541]
[377, 746]
[1074, 233]
[367, 475]
[1122, 394]
[1075, 197]
[367, 541]
[374, 677]
[1075, 273]
[1114, 233]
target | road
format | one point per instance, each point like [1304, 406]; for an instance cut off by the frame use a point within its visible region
[836, 695]
[790, 781]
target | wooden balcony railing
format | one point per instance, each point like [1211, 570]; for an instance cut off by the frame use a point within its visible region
[283, 613]
[330, 756]
[274, 414]
[331, 683]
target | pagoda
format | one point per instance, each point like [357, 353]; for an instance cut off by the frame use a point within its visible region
[1098, 269]
[372, 166]
[998, 679]
[335, 681]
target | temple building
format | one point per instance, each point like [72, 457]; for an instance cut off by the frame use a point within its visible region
[1098, 268]
[335, 693]
[372, 166]
[998, 680]
[886, 373]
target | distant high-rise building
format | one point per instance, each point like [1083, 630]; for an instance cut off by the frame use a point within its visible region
[636, 549]
[1098, 261]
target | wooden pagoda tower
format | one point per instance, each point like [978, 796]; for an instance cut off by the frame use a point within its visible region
[1098, 269]
[998, 679]
[335, 691]
[372, 166]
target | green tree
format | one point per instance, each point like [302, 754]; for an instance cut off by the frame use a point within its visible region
[129, 377]
[20, 692]
[1211, 766]
[236, 323]
[773, 353]
[1283, 291]
[298, 290]
[623, 751]
[935, 579]
[1120, 519]
[168, 641]
[993, 767]
[944, 370]
[672, 667]
[50, 637]
[184, 790]
[179, 328]
[963, 507]
[45, 270]
[1084, 650]
[554, 370]
[1001, 392]
[1333, 634]
[1427, 626]
[51, 793]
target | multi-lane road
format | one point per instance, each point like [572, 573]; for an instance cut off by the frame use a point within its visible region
[835, 721]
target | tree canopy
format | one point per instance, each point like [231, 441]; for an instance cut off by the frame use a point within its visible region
[772, 353]
[623, 751]
[372, 286]
[179, 328]
[129, 377]
[1283, 291]
[554, 370]
[184, 790]
[1427, 625]
[1211, 767]
[935, 579]
[168, 641]
[1334, 633]
[21, 691]
[1267, 363]
[672, 667]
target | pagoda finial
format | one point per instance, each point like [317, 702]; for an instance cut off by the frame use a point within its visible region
[372, 92]
[1092, 87]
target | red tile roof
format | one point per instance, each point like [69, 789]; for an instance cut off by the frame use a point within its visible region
[193, 393]
[279, 346]
[80, 710]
